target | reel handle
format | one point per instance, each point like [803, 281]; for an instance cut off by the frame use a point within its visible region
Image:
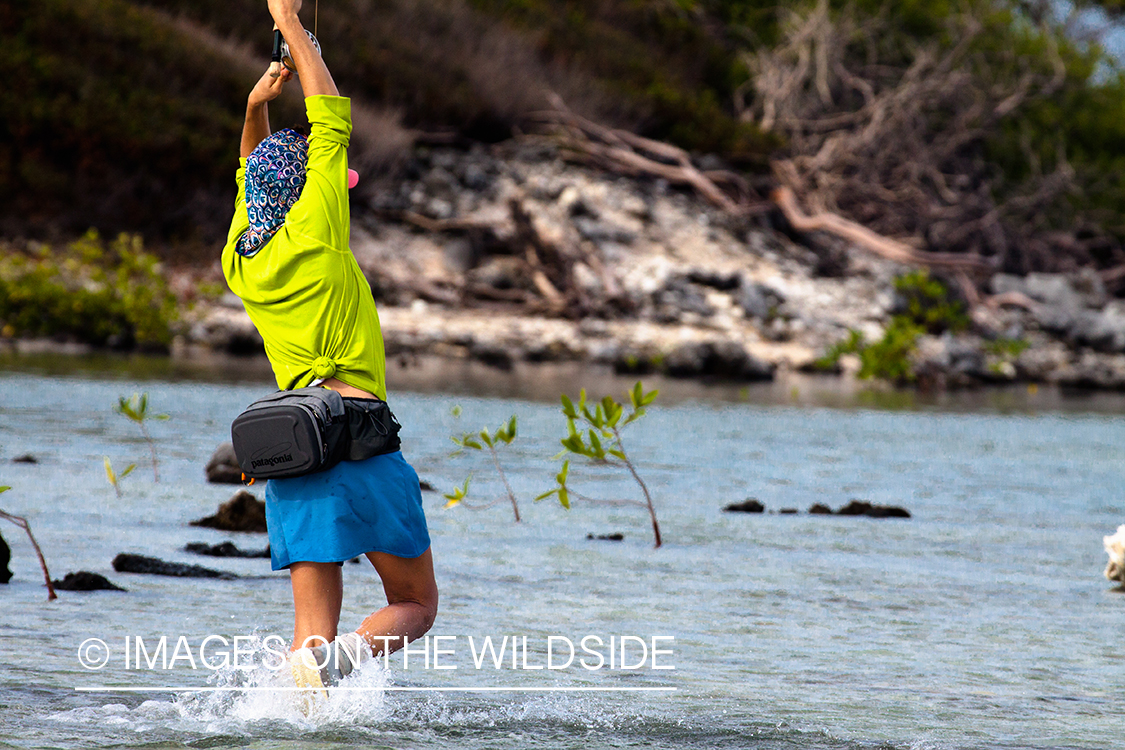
[275, 56]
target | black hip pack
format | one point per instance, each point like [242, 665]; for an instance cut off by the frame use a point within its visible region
[303, 431]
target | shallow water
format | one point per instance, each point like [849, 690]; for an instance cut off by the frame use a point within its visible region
[981, 622]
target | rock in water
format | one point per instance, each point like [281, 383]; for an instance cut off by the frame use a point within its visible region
[863, 508]
[751, 505]
[224, 549]
[84, 580]
[1115, 548]
[223, 467]
[820, 509]
[26, 458]
[243, 512]
[5, 558]
[616, 536]
[125, 563]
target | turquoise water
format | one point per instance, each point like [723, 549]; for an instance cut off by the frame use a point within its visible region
[981, 622]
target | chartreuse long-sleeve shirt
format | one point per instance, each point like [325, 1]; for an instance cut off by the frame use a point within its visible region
[304, 290]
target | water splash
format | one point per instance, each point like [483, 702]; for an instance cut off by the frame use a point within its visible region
[269, 697]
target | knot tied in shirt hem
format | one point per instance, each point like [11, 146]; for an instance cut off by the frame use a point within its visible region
[324, 368]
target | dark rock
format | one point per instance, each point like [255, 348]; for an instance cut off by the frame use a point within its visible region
[1102, 331]
[724, 282]
[426, 486]
[863, 508]
[243, 512]
[224, 549]
[759, 301]
[223, 467]
[680, 296]
[475, 178]
[126, 563]
[855, 508]
[965, 357]
[628, 361]
[493, 355]
[5, 558]
[788, 511]
[1055, 318]
[727, 360]
[687, 360]
[26, 458]
[730, 360]
[84, 580]
[617, 536]
[750, 505]
[820, 509]
[1094, 371]
[502, 272]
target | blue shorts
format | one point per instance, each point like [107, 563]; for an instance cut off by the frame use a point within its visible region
[355, 507]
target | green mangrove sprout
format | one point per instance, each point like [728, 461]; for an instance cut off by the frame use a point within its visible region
[115, 478]
[485, 440]
[600, 442]
[23, 524]
[136, 409]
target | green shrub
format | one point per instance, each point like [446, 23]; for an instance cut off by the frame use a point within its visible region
[889, 357]
[93, 292]
[929, 304]
[929, 309]
[1007, 349]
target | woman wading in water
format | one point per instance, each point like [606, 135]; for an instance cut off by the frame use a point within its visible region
[287, 257]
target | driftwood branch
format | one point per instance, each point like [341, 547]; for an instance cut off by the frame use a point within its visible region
[884, 247]
[628, 153]
[895, 143]
[426, 224]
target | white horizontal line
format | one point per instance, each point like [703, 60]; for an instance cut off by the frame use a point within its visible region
[389, 689]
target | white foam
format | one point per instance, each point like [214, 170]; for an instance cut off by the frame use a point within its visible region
[365, 705]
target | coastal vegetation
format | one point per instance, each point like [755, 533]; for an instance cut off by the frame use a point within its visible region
[482, 441]
[966, 139]
[23, 524]
[114, 478]
[599, 441]
[125, 114]
[108, 294]
[135, 408]
[926, 306]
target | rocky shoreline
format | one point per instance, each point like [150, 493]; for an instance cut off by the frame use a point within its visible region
[510, 254]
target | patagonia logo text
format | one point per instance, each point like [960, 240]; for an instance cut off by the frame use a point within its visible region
[281, 458]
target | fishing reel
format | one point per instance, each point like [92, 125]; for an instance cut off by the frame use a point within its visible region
[281, 49]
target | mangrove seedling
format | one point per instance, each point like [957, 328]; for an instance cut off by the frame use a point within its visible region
[504, 435]
[600, 442]
[115, 478]
[23, 524]
[136, 409]
[457, 497]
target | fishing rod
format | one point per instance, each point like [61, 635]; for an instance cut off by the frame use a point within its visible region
[280, 54]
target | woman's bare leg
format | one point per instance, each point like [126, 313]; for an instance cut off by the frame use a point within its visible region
[412, 599]
[318, 591]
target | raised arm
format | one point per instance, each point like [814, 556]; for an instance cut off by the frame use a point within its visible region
[257, 126]
[313, 73]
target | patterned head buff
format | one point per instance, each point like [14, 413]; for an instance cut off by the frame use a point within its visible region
[275, 176]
